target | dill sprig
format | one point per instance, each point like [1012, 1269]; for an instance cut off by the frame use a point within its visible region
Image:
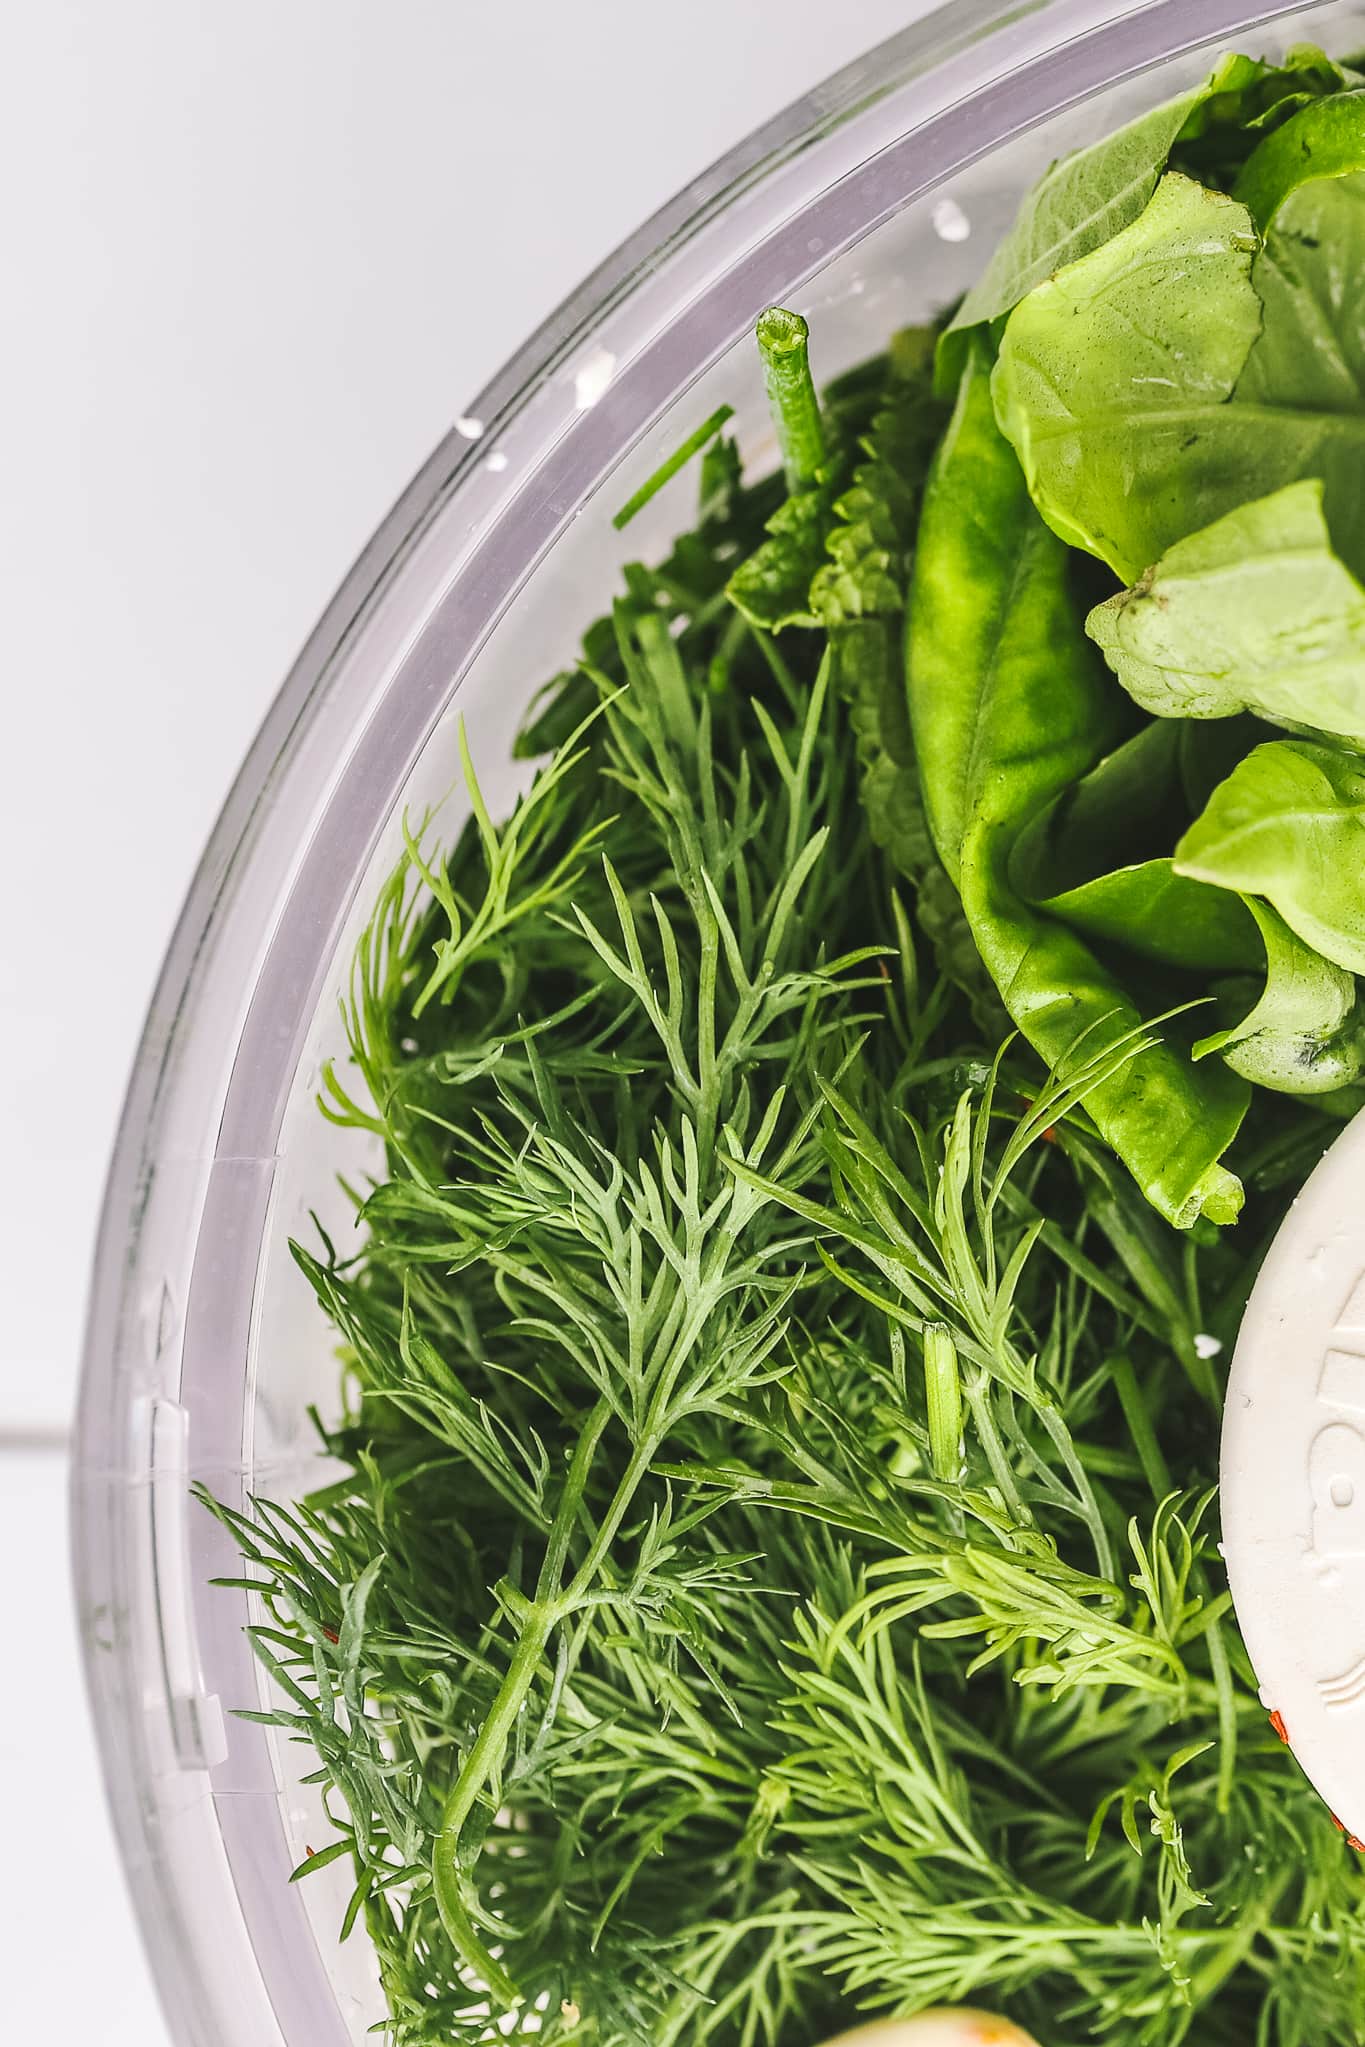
[775, 1573]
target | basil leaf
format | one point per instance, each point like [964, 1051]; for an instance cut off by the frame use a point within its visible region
[1288, 825]
[1098, 859]
[1150, 910]
[1255, 613]
[1129, 806]
[1311, 352]
[1164, 380]
[1248, 96]
[1009, 706]
[1091, 195]
[1112, 372]
[1325, 139]
[1304, 1035]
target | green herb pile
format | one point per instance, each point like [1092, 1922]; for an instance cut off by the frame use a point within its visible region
[776, 1577]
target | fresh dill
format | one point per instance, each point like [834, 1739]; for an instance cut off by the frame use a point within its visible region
[776, 1576]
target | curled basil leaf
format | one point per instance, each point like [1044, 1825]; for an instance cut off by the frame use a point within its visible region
[1305, 1034]
[1009, 707]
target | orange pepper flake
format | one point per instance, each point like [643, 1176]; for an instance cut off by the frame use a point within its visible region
[1049, 1136]
[1351, 1840]
[1277, 1722]
[330, 1633]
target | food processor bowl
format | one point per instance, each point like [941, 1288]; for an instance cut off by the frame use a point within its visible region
[870, 203]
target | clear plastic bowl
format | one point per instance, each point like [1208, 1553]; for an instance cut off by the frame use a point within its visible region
[869, 203]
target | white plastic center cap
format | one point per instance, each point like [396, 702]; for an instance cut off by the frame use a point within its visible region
[1293, 1479]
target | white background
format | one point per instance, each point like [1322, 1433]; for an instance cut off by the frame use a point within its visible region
[256, 258]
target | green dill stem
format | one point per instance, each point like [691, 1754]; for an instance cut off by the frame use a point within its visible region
[669, 677]
[732, 637]
[642, 1458]
[783, 339]
[1227, 1715]
[1158, 1476]
[668, 469]
[549, 1607]
[485, 1755]
[1140, 1428]
[1057, 1429]
[979, 1404]
[1238, 1940]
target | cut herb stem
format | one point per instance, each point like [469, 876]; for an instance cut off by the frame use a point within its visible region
[668, 469]
[784, 348]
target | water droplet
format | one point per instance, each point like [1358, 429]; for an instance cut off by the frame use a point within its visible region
[950, 222]
[497, 462]
[1206, 1346]
[471, 428]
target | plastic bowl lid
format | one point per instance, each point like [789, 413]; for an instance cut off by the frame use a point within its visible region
[1293, 1480]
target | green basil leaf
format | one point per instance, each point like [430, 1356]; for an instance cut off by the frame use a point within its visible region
[1325, 139]
[1304, 1035]
[1288, 825]
[1150, 910]
[1311, 352]
[1129, 806]
[1248, 96]
[1254, 613]
[1009, 706]
[1098, 859]
[1111, 373]
[1091, 195]
[989, 598]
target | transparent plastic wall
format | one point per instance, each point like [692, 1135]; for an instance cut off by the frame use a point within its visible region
[870, 206]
